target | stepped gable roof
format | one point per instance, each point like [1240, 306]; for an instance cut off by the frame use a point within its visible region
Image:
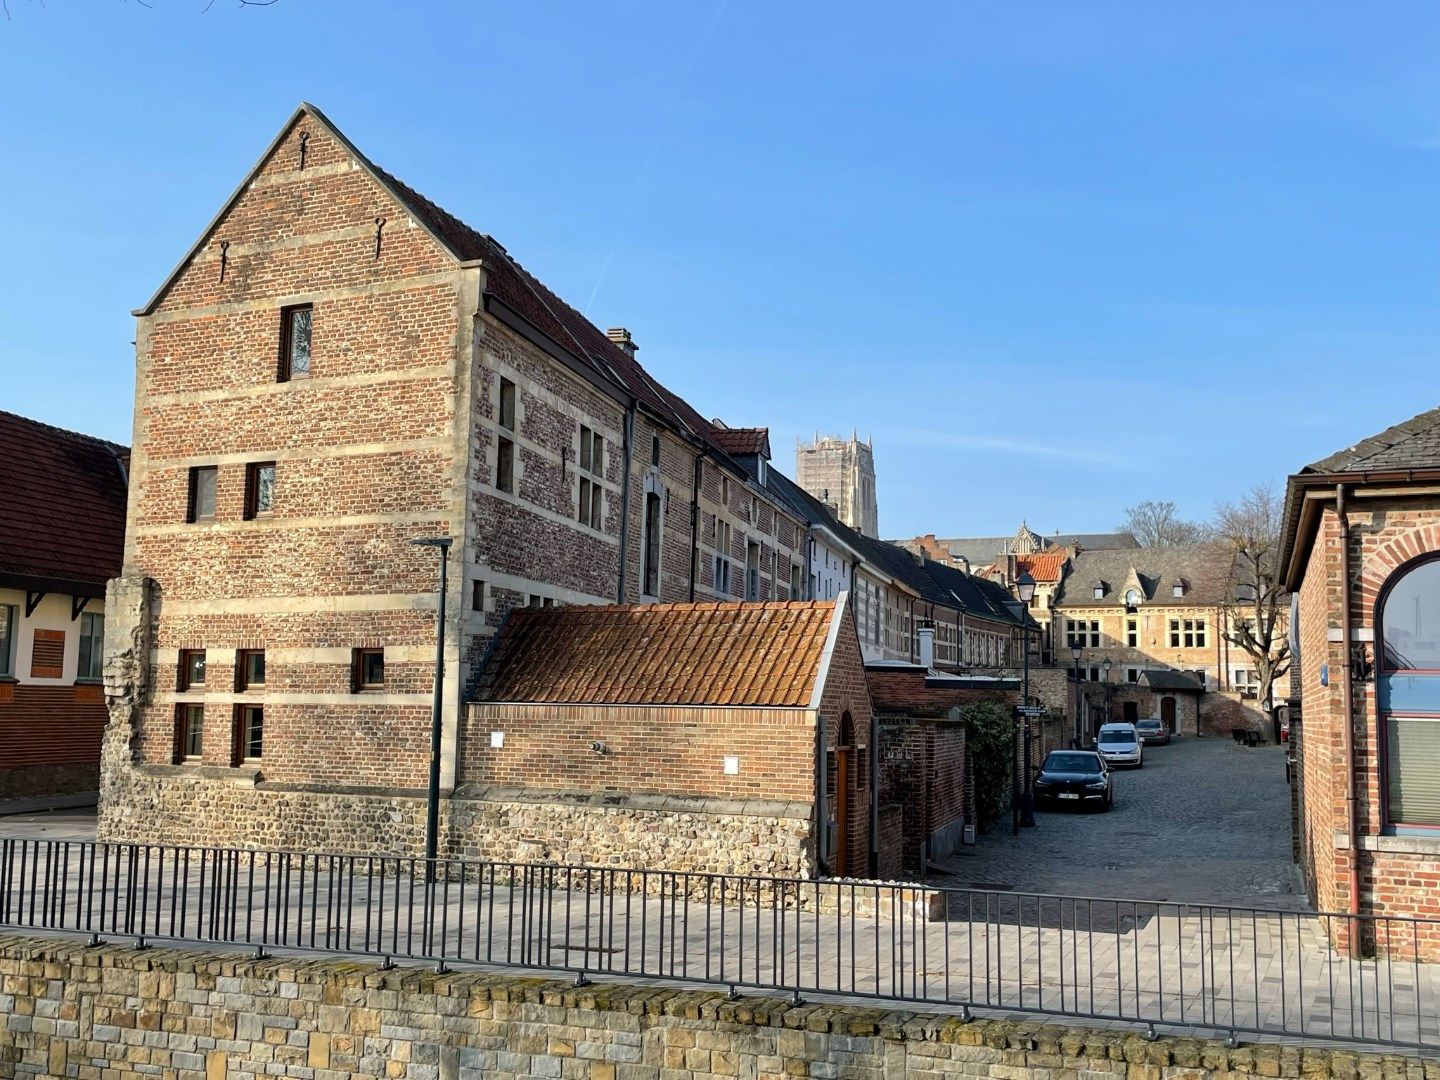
[755, 654]
[1414, 444]
[740, 442]
[1207, 570]
[62, 510]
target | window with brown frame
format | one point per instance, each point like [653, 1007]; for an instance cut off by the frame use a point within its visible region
[189, 732]
[250, 670]
[192, 669]
[201, 504]
[295, 325]
[368, 669]
[249, 740]
[259, 489]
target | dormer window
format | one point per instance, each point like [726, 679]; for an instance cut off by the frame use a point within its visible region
[1178, 589]
[1132, 598]
[1099, 590]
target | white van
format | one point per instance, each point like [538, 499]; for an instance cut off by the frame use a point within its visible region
[1119, 744]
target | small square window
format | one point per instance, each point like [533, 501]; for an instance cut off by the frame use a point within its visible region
[189, 732]
[295, 342]
[259, 489]
[192, 669]
[369, 669]
[202, 493]
[249, 732]
[535, 601]
[250, 669]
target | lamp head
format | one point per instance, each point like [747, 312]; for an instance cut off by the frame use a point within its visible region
[441, 542]
[1025, 587]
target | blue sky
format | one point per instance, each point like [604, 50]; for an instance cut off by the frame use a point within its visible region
[1056, 257]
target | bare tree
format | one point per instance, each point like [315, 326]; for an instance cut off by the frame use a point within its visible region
[1159, 524]
[1250, 525]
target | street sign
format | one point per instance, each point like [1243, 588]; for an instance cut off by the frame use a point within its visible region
[1032, 710]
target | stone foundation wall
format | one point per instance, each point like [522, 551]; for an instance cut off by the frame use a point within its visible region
[66, 1010]
[35, 780]
[227, 808]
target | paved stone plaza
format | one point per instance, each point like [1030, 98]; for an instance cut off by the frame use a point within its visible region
[1205, 821]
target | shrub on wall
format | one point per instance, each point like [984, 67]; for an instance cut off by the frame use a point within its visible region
[990, 738]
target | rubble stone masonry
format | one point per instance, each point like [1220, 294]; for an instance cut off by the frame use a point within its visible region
[67, 1010]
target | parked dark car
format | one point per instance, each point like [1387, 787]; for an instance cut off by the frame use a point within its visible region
[1152, 731]
[1074, 778]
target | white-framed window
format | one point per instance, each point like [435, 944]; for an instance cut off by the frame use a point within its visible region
[1132, 633]
[7, 639]
[92, 646]
[1187, 633]
[722, 556]
[1082, 633]
[1132, 674]
[592, 469]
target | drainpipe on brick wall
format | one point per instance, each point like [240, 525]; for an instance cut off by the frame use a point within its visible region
[1348, 730]
[629, 451]
[695, 524]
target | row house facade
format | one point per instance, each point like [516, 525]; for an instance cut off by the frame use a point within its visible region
[62, 528]
[336, 369]
[968, 623]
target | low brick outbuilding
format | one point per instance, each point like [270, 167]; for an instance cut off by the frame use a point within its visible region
[710, 737]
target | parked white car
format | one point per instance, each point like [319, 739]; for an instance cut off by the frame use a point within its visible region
[1119, 744]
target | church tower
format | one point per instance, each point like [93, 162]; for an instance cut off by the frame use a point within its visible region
[841, 473]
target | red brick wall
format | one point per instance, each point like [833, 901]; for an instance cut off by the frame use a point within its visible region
[1384, 535]
[648, 750]
[846, 690]
[50, 737]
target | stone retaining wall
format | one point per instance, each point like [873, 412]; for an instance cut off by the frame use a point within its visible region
[227, 808]
[94, 1013]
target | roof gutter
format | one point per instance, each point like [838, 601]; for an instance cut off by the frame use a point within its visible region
[1309, 494]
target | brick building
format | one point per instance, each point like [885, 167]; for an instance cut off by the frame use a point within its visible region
[1361, 554]
[336, 368]
[62, 528]
[713, 737]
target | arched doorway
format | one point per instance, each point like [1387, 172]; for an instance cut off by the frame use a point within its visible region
[1408, 624]
[1167, 713]
[844, 767]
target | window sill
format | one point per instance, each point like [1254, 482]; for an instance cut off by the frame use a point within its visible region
[1400, 845]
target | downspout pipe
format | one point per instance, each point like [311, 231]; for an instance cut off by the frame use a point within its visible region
[695, 524]
[1347, 732]
[629, 452]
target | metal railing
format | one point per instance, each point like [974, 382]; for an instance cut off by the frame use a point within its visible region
[1158, 964]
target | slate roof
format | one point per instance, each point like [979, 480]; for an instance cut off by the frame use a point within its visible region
[768, 654]
[1170, 679]
[740, 442]
[1206, 568]
[1414, 444]
[62, 505]
[984, 550]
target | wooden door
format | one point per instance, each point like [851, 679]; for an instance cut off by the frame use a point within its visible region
[1167, 713]
[842, 808]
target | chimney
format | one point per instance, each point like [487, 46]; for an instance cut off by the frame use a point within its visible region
[926, 637]
[620, 336]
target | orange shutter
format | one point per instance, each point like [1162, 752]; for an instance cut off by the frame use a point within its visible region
[47, 660]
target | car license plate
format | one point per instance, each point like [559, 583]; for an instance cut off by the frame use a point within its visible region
[1068, 795]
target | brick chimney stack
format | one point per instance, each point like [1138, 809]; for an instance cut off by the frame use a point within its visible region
[620, 336]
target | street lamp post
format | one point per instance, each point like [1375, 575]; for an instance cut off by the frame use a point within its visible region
[1075, 652]
[1025, 588]
[432, 809]
[1106, 668]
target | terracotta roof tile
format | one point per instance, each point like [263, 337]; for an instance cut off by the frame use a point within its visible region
[1046, 566]
[62, 512]
[739, 441]
[660, 654]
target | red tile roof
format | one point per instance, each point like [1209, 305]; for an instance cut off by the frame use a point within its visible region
[62, 506]
[660, 654]
[1046, 566]
[741, 440]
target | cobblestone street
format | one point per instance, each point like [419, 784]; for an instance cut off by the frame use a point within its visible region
[1205, 821]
